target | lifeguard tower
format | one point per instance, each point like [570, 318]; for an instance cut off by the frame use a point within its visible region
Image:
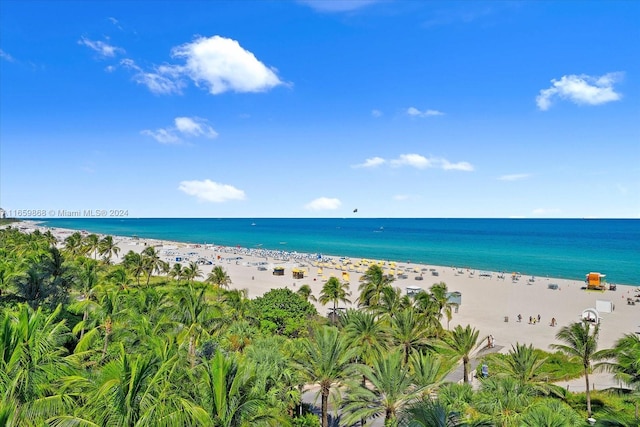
[596, 281]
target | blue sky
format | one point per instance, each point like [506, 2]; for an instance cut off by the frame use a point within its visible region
[317, 108]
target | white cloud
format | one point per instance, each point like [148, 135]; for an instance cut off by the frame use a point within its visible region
[371, 163]
[185, 127]
[337, 5]
[221, 65]
[376, 113]
[414, 112]
[155, 82]
[209, 191]
[194, 127]
[4, 55]
[323, 204]
[104, 49]
[581, 89]
[514, 177]
[414, 160]
[163, 136]
[401, 197]
[418, 161]
[458, 166]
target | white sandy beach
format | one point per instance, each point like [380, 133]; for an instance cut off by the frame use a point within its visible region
[491, 301]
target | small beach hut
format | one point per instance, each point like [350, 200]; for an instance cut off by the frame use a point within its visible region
[278, 271]
[596, 281]
[454, 297]
[590, 315]
[413, 290]
[297, 273]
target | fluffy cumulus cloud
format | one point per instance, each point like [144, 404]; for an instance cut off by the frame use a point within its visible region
[209, 191]
[337, 5]
[581, 89]
[414, 112]
[414, 160]
[217, 64]
[323, 204]
[371, 163]
[514, 177]
[103, 49]
[458, 166]
[417, 161]
[221, 64]
[189, 127]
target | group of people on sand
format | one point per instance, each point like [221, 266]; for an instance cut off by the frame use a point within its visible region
[536, 319]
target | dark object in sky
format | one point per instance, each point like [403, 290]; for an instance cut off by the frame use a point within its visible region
[355, 210]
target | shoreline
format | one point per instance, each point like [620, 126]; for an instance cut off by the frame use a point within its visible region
[493, 258]
[491, 301]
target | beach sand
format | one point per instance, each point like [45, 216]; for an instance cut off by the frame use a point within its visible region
[491, 301]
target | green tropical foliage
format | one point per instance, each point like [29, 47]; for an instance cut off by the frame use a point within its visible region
[89, 338]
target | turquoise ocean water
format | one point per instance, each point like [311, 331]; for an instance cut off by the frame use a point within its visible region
[563, 248]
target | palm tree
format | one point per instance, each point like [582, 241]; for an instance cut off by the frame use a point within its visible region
[373, 282]
[87, 280]
[624, 361]
[525, 365]
[551, 413]
[219, 278]
[50, 238]
[107, 248]
[392, 390]
[176, 273]
[504, 400]
[428, 371]
[132, 390]
[391, 302]
[364, 331]
[191, 271]
[462, 341]
[152, 262]
[32, 359]
[91, 243]
[581, 341]
[325, 361]
[305, 292]
[135, 264]
[104, 311]
[440, 294]
[335, 291]
[232, 396]
[119, 277]
[408, 332]
[430, 413]
[196, 316]
[73, 245]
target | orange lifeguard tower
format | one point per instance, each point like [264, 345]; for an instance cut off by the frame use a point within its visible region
[596, 281]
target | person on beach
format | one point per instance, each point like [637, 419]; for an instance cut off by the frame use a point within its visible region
[519, 317]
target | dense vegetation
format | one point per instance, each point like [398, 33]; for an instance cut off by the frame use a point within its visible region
[84, 342]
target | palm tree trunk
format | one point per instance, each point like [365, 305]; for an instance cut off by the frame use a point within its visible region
[325, 406]
[588, 393]
[465, 364]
